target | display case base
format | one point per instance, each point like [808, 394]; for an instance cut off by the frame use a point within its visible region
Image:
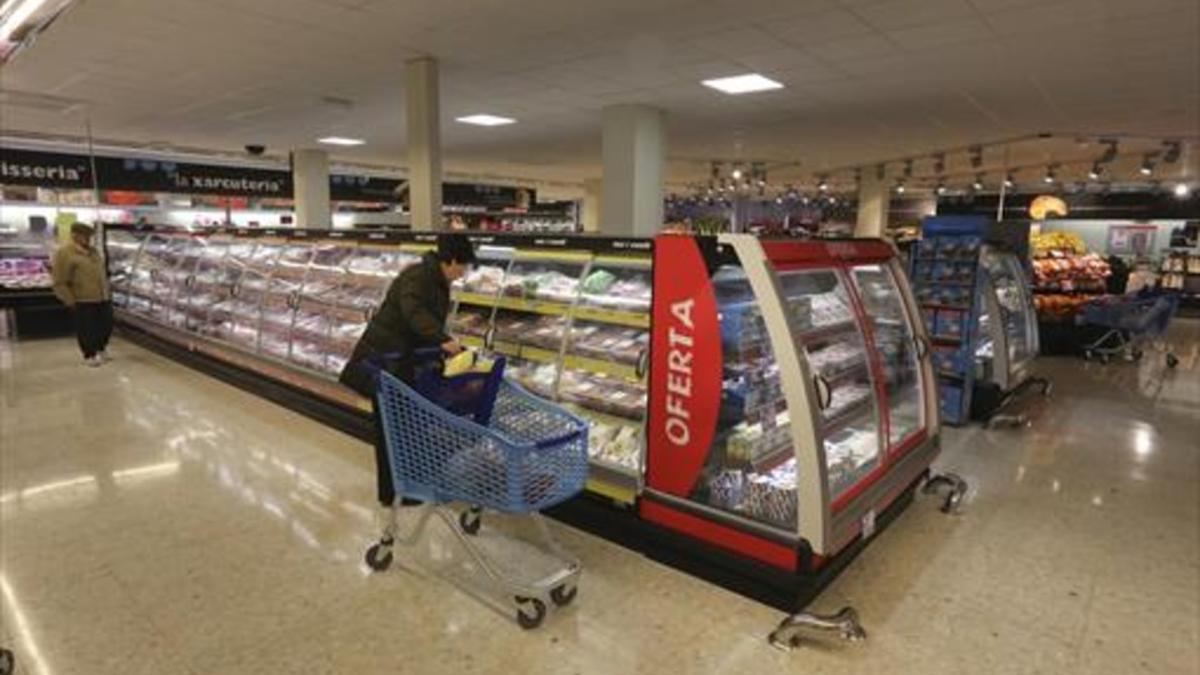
[784, 590]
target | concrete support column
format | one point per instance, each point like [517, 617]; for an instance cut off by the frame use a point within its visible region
[310, 188]
[424, 145]
[634, 155]
[873, 198]
[593, 205]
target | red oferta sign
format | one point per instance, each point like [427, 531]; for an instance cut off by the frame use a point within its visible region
[685, 375]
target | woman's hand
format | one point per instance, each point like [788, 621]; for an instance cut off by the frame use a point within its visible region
[452, 347]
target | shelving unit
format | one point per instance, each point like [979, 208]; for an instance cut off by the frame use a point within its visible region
[538, 308]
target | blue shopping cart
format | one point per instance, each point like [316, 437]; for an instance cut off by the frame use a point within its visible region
[1132, 322]
[482, 442]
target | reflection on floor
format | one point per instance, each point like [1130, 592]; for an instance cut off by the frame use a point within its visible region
[157, 521]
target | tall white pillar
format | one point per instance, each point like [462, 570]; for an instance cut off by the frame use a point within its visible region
[873, 198]
[634, 155]
[593, 205]
[424, 145]
[310, 188]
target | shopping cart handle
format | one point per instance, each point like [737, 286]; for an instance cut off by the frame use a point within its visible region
[560, 440]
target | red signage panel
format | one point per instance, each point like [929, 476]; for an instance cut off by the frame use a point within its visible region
[685, 374]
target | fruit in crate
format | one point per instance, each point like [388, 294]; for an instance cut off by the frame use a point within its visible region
[1046, 242]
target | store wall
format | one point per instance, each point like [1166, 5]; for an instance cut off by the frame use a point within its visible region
[1095, 232]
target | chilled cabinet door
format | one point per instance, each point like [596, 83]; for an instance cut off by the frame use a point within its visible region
[827, 332]
[896, 346]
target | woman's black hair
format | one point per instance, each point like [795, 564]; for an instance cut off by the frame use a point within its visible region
[454, 247]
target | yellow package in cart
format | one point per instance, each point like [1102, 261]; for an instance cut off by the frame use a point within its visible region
[467, 361]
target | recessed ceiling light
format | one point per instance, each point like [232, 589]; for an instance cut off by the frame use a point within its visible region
[341, 140]
[484, 120]
[742, 84]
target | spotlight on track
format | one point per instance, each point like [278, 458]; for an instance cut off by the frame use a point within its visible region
[1096, 170]
[1147, 168]
[978, 184]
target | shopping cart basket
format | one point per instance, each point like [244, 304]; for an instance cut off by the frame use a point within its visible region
[490, 446]
[1131, 324]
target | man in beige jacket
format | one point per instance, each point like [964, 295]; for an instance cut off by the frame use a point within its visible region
[81, 282]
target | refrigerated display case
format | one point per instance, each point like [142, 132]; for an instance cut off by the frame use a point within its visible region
[755, 406]
[974, 292]
[791, 395]
[572, 316]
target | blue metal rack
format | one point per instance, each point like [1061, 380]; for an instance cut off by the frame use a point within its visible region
[947, 278]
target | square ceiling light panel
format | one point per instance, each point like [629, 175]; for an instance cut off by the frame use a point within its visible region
[484, 120]
[743, 84]
[341, 140]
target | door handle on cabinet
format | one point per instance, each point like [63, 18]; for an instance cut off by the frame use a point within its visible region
[824, 392]
[643, 363]
[922, 346]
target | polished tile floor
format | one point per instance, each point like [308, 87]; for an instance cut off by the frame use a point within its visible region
[155, 520]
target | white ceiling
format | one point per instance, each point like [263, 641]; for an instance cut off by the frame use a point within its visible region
[866, 80]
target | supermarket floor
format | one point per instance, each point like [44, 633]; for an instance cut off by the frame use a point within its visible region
[157, 521]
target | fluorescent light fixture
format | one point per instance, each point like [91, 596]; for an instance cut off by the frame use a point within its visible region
[485, 120]
[1182, 190]
[341, 140]
[742, 84]
[18, 12]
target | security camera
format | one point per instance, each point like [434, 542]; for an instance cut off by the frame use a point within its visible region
[255, 149]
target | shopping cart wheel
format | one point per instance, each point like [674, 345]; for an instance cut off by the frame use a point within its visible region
[530, 621]
[1087, 355]
[563, 595]
[379, 557]
[1136, 354]
[1172, 361]
[7, 662]
[1104, 359]
[470, 521]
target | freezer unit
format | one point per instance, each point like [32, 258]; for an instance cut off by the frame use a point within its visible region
[791, 394]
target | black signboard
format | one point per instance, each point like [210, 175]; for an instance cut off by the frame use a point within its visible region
[487, 197]
[1081, 206]
[44, 169]
[149, 175]
[367, 189]
[71, 171]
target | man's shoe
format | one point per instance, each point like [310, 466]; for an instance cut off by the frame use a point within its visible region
[104, 356]
[93, 361]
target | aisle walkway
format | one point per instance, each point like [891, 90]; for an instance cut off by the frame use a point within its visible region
[157, 521]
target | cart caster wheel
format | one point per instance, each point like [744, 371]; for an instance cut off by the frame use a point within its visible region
[1087, 356]
[1104, 359]
[1136, 354]
[1172, 361]
[530, 621]
[470, 521]
[563, 595]
[379, 557]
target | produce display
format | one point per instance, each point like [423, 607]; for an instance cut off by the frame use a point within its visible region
[1062, 271]
[1065, 242]
[1059, 307]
